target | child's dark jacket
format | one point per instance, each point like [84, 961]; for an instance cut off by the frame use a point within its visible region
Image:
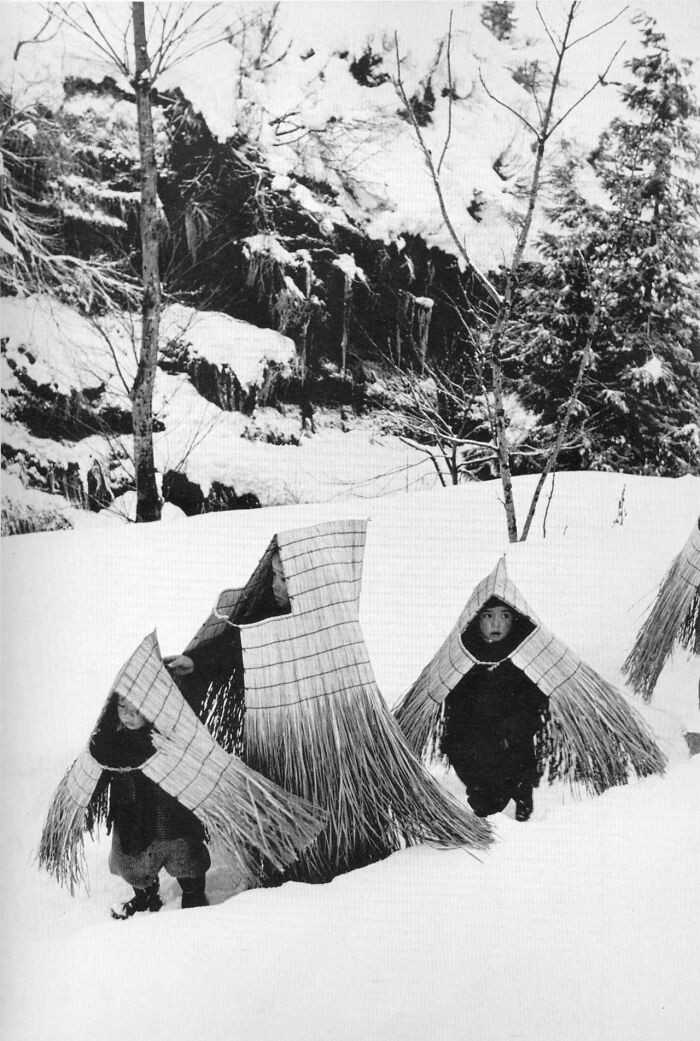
[139, 810]
[491, 719]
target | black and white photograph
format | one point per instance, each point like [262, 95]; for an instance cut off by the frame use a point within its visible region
[350, 546]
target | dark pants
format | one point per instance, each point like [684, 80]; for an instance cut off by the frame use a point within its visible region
[181, 858]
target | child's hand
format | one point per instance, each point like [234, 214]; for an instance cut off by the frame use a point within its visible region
[179, 664]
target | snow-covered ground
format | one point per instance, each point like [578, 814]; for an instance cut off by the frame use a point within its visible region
[582, 924]
[63, 353]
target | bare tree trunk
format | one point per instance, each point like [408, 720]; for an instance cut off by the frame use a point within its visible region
[506, 305]
[147, 498]
[553, 456]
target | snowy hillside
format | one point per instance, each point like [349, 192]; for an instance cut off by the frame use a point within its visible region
[581, 924]
[315, 122]
[70, 375]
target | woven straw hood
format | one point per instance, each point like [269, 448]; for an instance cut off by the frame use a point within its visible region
[247, 814]
[595, 736]
[316, 723]
[673, 619]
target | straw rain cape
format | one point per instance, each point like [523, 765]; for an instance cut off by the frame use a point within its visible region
[673, 619]
[594, 736]
[248, 815]
[316, 723]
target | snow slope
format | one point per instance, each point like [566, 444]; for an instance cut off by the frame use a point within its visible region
[581, 925]
[64, 354]
[313, 120]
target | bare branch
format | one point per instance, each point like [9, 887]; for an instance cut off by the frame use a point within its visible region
[555, 45]
[450, 99]
[106, 47]
[487, 284]
[600, 82]
[513, 111]
[599, 28]
[37, 37]
[63, 16]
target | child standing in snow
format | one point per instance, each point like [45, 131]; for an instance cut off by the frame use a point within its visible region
[493, 716]
[150, 829]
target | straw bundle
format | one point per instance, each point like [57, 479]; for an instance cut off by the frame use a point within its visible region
[673, 619]
[595, 738]
[316, 723]
[248, 815]
[62, 850]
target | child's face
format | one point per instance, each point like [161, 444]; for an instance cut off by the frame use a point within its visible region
[495, 623]
[279, 583]
[129, 717]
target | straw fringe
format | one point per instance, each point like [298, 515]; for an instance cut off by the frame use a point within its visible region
[223, 713]
[346, 753]
[419, 717]
[248, 815]
[62, 846]
[673, 619]
[596, 738]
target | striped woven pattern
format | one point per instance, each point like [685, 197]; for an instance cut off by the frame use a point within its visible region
[595, 736]
[317, 724]
[674, 619]
[248, 815]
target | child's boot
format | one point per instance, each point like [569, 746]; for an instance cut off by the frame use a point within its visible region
[193, 894]
[143, 900]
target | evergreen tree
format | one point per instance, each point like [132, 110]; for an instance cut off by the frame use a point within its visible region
[633, 260]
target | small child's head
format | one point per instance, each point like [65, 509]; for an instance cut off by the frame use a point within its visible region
[495, 620]
[129, 717]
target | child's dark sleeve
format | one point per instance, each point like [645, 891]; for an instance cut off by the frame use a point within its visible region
[215, 661]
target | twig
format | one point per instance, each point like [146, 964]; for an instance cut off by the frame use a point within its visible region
[487, 284]
[36, 37]
[600, 82]
[509, 108]
[603, 25]
[546, 509]
[541, 17]
[449, 96]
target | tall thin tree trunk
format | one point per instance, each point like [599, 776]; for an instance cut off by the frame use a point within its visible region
[147, 498]
[506, 305]
[553, 457]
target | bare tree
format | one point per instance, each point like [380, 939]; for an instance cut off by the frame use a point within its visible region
[175, 32]
[542, 128]
[147, 498]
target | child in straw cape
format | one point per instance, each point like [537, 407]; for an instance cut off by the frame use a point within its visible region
[593, 736]
[674, 619]
[150, 828]
[155, 773]
[210, 671]
[294, 689]
[494, 715]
